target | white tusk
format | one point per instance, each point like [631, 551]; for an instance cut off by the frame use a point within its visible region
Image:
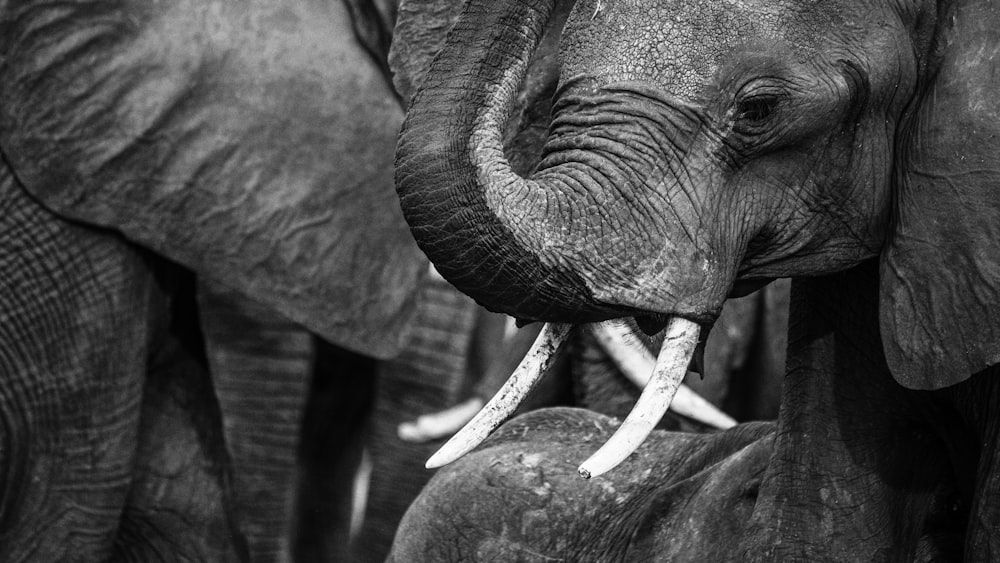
[671, 366]
[440, 424]
[433, 273]
[692, 405]
[538, 359]
[636, 362]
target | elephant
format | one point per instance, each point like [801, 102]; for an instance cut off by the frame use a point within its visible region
[751, 342]
[696, 151]
[251, 145]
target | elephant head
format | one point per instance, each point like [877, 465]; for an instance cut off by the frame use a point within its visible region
[251, 143]
[698, 149]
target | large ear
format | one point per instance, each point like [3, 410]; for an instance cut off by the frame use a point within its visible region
[940, 274]
[421, 28]
[373, 21]
[252, 142]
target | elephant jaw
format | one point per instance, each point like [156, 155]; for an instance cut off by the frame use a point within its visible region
[679, 343]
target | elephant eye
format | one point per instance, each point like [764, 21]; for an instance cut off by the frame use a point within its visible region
[755, 109]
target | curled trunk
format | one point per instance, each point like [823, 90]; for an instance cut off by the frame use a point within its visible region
[576, 241]
[472, 215]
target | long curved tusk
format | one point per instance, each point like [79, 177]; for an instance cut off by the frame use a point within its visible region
[671, 366]
[439, 424]
[637, 363]
[539, 357]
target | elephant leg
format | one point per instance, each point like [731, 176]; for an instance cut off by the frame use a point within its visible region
[333, 437]
[754, 373]
[599, 385]
[977, 441]
[742, 363]
[74, 334]
[261, 365]
[294, 409]
[859, 471]
[180, 507]
[429, 375]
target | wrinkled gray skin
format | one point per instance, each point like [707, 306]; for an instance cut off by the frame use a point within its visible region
[696, 150]
[252, 144]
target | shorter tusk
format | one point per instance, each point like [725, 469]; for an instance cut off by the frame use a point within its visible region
[692, 405]
[671, 367]
[636, 362]
[440, 424]
[538, 359]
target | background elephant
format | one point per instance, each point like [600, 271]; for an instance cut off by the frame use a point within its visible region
[245, 143]
[699, 153]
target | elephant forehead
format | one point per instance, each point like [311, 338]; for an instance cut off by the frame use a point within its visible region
[678, 46]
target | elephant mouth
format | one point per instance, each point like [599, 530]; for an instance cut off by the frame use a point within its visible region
[681, 337]
[744, 287]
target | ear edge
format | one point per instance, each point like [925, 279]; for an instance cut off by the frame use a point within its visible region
[940, 269]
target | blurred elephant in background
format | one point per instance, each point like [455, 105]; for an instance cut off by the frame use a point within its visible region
[243, 143]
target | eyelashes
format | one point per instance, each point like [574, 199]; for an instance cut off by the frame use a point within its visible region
[754, 114]
[757, 108]
[755, 104]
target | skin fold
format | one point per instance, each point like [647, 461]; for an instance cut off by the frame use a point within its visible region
[699, 149]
